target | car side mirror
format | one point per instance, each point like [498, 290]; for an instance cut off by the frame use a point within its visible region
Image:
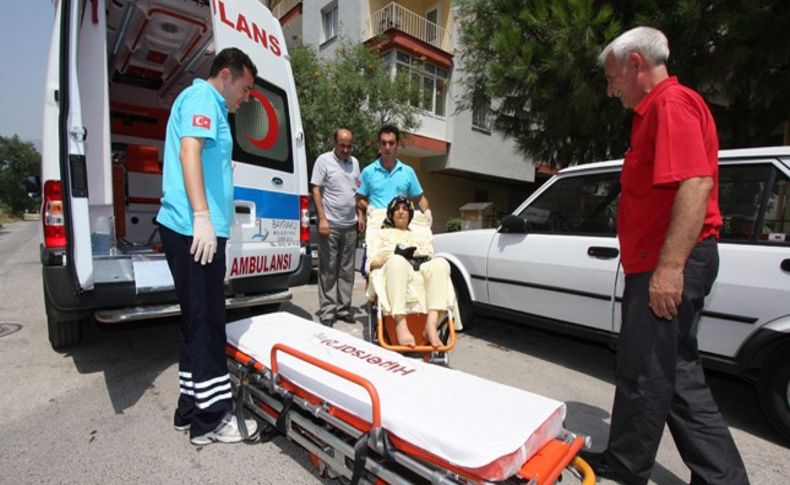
[513, 225]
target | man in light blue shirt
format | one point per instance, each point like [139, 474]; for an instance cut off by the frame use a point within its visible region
[195, 219]
[388, 177]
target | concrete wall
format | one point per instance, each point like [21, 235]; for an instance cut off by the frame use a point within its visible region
[447, 193]
[475, 151]
[352, 24]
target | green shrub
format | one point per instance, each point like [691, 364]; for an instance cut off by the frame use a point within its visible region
[453, 224]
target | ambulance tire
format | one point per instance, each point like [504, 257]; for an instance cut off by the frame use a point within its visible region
[64, 333]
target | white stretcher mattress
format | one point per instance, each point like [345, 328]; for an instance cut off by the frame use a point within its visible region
[469, 422]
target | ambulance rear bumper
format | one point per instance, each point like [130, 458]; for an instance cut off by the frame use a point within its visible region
[123, 315]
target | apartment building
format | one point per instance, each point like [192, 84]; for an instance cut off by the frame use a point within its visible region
[456, 154]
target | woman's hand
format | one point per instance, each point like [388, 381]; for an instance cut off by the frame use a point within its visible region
[377, 263]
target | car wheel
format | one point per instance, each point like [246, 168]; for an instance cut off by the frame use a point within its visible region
[773, 389]
[64, 333]
[465, 308]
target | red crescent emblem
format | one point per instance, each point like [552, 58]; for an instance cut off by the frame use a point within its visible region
[270, 139]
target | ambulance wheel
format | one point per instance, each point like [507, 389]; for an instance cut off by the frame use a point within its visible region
[773, 389]
[64, 333]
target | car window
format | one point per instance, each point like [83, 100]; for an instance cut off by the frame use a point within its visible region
[754, 203]
[584, 204]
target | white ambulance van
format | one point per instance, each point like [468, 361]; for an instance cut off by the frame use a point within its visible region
[115, 67]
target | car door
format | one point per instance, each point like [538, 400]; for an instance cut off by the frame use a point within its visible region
[753, 286]
[268, 146]
[565, 266]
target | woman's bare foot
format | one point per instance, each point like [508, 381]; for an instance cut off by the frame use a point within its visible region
[432, 336]
[430, 333]
[402, 330]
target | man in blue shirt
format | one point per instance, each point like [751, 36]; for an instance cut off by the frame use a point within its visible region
[388, 177]
[195, 219]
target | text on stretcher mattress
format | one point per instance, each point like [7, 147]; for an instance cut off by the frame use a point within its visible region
[365, 356]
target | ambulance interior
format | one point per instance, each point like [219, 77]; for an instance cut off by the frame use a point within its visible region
[153, 50]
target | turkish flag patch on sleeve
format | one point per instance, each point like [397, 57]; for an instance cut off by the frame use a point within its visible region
[201, 121]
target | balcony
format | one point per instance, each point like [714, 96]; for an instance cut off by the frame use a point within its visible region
[397, 17]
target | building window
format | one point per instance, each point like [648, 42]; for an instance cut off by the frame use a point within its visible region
[329, 22]
[429, 81]
[481, 112]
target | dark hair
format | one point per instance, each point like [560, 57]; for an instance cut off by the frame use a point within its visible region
[390, 129]
[235, 60]
[393, 205]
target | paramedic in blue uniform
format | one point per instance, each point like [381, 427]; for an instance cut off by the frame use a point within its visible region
[195, 219]
[388, 177]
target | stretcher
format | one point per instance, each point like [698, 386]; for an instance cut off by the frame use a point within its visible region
[381, 325]
[374, 416]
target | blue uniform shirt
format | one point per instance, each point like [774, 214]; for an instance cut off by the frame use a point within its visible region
[380, 186]
[200, 112]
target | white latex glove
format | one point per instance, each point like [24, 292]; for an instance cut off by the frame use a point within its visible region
[428, 217]
[204, 240]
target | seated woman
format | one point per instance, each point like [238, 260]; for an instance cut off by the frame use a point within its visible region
[399, 271]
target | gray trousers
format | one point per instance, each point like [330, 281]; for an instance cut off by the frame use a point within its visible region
[336, 254]
[660, 381]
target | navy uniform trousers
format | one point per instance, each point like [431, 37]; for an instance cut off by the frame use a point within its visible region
[204, 382]
[660, 380]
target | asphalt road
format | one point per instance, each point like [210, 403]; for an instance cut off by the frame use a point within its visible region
[101, 412]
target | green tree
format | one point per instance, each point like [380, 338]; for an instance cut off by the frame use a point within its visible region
[538, 59]
[352, 91]
[18, 160]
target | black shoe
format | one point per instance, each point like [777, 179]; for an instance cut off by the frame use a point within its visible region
[348, 318]
[600, 466]
[328, 322]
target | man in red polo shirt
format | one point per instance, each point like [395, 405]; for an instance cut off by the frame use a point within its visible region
[668, 224]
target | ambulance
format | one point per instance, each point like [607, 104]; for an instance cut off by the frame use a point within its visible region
[114, 69]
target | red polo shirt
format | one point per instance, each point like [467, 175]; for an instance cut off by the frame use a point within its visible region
[673, 138]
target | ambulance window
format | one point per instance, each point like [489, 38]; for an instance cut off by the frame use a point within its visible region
[262, 129]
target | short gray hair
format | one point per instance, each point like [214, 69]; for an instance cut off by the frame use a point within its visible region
[651, 43]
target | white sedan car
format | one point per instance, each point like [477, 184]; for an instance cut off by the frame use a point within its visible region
[555, 263]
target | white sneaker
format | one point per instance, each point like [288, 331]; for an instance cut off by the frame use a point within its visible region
[181, 427]
[227, 431]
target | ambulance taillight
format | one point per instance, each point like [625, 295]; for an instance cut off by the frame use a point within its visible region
[52, 215]
[304, 218]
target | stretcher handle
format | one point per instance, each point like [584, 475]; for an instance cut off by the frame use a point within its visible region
[375, 402]
[586, 471]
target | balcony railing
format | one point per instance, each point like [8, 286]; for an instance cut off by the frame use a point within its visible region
[283, 7]
[396, 16]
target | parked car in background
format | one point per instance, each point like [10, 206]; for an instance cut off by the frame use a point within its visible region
[554, 263]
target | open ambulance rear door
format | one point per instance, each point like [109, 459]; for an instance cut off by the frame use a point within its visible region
[66, 221]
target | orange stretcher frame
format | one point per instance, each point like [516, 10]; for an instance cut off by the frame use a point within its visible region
[545, 467]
